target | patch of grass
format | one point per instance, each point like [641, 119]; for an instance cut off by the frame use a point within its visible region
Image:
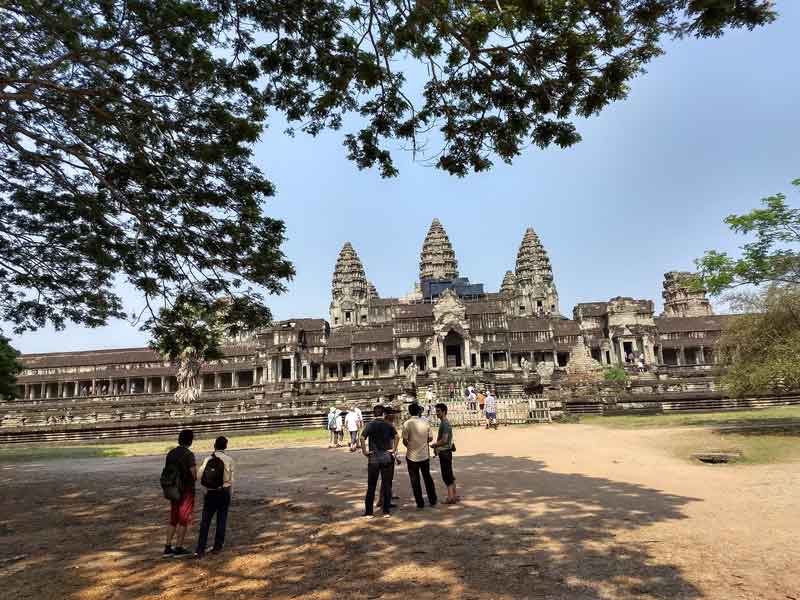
[755, 449]
[787, 414]
[27, 453]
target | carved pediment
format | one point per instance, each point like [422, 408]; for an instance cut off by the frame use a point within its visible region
[449, 313]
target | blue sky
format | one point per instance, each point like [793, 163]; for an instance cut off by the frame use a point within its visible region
[711, 127]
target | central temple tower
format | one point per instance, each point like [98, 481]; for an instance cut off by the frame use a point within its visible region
[534, 290]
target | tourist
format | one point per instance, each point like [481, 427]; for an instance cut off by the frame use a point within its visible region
[339, 424]
[383, 441]
[443, 447]
[180, 461]
[472, 398]
[351, 423]
[332, 426]
[491, 410]
[216, 475]
[481, 399]
[429, 401]
[451, 390]
[390, 416]
[416, 438]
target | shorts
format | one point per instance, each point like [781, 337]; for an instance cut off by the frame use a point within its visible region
[491, 416]
[446, 466]
[180, 512]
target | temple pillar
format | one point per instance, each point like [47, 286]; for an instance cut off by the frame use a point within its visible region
[621, 351]
[127, 386]
[60, 389]
[682, 356]
[352, 370]
[374, 367]
[164, 384]
[217, 381]
[235, 379]
[701, 357]
[26, 395]
[491, 360]
[661, 354]
[292, 368]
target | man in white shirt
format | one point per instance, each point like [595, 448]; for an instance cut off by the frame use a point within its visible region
[416, 438]
[351, 421]
[218, 482]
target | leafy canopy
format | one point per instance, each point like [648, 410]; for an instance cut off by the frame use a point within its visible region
[127, 126]
[9, 368]
[762, 346]
[772, 258]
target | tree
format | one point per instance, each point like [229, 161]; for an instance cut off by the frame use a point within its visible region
[774, 256]
[126, 126]
[9, 369]
[762, 346]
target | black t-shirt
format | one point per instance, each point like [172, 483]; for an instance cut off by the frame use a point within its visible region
[380, 435]
[184, 458]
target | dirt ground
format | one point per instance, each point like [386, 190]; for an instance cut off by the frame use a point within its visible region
[549, 511]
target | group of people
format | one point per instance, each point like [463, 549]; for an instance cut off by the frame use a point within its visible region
[380, 441]
[633, 360]
[482, 400]
[340, 421]
[178, 481]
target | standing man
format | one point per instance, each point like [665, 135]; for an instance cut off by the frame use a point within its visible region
[332, 426]
[339, 424]
[216, 475]
[351, 423]
[443, 447]
[417, 436]
[472, 398]
[383, 441]
[491, 410]
[180, 466]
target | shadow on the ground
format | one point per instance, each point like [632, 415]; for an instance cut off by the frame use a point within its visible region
[523, 532]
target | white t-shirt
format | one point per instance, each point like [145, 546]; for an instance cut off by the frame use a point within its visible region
[338, 422]
[358, 413]
[351, 421]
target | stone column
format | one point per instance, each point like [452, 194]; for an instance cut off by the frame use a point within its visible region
[374, 367]
[292, 369]
[256, 380]
[27, 393]
[491, 360]
[702, 356]
[127, 385]
[396, 366]
[352, 370]
[217, 381]
[235, 379]
[661, 354]
[682, 356]
[467, 358]
[339, 371]
[60, 389]
[94, 388]
[621, 351]
[164, 384]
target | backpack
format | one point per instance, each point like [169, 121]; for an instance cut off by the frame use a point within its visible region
[171, 483]
[214, 473]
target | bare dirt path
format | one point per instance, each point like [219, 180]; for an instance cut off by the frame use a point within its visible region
[561, 511]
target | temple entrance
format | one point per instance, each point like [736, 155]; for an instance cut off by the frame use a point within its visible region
[453, 349]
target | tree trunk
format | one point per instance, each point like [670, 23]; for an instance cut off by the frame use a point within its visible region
[188, 377]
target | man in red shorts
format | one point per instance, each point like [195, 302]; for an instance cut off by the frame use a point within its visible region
[180, 514]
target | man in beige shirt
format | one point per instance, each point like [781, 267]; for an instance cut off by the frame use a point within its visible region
[416, 437]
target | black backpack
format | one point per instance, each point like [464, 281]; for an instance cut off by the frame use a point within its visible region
[171, 482]
[214, 473]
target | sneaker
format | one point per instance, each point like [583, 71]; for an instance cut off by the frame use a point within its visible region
[181, 552]
[387, 515]
[198, 555]
[168, 551]
[368, 516]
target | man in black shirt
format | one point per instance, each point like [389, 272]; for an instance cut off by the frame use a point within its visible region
[383, 441]
[180, 514]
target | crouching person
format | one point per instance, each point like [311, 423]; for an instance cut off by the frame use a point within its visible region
[216, 475]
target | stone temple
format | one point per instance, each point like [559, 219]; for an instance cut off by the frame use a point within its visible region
[446, 330]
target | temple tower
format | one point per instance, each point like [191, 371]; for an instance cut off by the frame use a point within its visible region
[349, 290]
[373, 291]
[509, 283]
[535, 293]
[437, 261]
[681, 299]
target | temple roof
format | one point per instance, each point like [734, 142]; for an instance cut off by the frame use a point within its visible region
[679, 324]
[437, 259]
